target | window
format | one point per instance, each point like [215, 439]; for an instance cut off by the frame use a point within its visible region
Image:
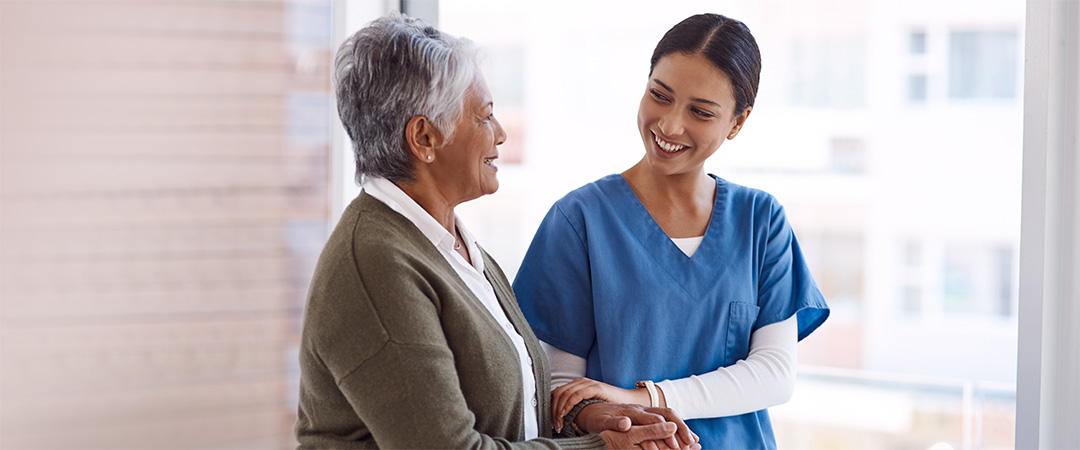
[917, 88]
[984, 64]
[917, 42]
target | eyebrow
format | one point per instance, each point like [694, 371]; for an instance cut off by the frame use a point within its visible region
[697, 100]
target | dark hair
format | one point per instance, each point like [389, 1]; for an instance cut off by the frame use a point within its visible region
[725, 42]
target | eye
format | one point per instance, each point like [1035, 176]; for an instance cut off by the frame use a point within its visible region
[702, 113]
[658, 96]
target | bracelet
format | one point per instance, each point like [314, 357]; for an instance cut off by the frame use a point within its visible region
[654, 398]
[572, 415]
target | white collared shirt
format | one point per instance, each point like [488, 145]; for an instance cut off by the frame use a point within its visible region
[473, 275]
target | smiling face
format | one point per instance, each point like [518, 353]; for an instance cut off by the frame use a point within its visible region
[686, 113]
[468, 160]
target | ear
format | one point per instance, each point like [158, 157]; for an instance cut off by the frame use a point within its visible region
[422, 138]
[739, 121]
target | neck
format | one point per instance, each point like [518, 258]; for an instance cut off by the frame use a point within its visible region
[678, 189]
[425, 194]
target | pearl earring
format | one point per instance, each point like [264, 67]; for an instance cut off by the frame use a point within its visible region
[429, 157]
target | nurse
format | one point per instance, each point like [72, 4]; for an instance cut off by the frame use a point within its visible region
[668, 286]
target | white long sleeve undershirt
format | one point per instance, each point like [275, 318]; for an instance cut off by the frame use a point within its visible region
[764, 379]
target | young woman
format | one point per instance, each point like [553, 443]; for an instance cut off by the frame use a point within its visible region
[665, 285]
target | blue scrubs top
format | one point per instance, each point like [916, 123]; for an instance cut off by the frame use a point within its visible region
[603, 281]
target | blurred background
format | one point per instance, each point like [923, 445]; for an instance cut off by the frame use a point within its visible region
[170, 170]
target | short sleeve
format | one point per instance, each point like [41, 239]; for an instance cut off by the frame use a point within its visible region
[553, 286]
[785, 284]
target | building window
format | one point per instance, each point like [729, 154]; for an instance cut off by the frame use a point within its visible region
[978, 279]
[917, 42]
[983, 65]
[829, 71]
[916, 88]
[847, 155]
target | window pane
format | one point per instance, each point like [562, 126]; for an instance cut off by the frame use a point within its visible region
[983, 64]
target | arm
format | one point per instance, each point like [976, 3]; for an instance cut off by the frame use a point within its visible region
[765, 378]
[428, 410]
[376, 363]
[565, 366]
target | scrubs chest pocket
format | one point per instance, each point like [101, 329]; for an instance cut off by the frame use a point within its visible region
[741, 319]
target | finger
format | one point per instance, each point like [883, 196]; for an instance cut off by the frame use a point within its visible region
[556, 396]
[559, 398]
[558, 401]
[608, 422]
[652, 432]
[649, 445]
[674, 444]
[684, 434]
[642, 417]
[571, 399]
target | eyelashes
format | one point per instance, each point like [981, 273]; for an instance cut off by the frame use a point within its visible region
[660, 97]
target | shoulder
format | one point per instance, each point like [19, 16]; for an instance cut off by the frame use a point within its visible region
[744, 195]
[756, 202]
[373, 248]
[593, 197]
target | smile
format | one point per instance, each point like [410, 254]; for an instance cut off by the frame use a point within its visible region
[667, 146]
[490, 162]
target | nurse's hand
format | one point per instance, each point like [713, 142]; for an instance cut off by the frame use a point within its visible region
[566, 396]
[623, 418]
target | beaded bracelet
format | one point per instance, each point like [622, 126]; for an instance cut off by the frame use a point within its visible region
[572, 415]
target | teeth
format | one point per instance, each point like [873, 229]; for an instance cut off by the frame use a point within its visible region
[668, 147]
[487, 161]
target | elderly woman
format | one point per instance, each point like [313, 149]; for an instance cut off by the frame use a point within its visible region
[412, 337]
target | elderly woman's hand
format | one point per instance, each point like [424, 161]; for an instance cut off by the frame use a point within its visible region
[626, 422]
[566, 396]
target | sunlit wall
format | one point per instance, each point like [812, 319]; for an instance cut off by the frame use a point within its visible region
[164, 195]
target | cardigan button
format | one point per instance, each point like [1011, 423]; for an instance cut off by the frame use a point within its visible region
[534, 402]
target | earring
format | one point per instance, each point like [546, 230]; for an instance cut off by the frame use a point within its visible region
[429, 157]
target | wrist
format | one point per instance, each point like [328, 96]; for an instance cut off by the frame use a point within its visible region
[650, 389]
[571, 418]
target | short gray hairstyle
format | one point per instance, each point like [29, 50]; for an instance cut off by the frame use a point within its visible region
[396, 68]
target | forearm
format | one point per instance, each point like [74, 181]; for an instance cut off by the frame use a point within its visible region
[565, 367]
[425, 409]
[765, 378]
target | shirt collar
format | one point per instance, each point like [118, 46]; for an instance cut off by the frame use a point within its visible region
[389, 193]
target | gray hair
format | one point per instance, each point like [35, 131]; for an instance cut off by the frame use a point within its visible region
[396, 68]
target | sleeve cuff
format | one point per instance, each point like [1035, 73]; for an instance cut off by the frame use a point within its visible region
[587, 442]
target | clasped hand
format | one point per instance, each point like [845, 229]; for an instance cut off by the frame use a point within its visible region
[626, 426]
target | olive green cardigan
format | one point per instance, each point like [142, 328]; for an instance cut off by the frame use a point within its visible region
[396, 351]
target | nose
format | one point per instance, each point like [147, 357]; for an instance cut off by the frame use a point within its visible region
[670, 122]
[500, 133]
